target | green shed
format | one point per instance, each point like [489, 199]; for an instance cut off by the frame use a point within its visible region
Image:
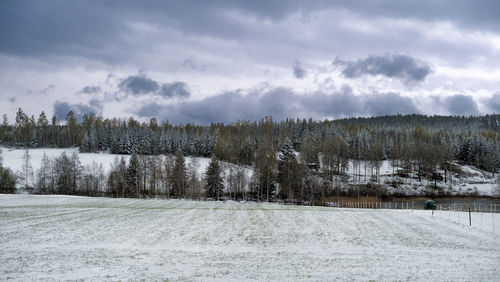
[429, 205]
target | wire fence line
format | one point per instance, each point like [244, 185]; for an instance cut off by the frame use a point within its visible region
[411, 205]
[373, 205]
[479, 215]
[474, 207]
[483, 216]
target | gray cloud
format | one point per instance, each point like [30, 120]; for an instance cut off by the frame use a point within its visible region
[138, 84]
[231, 41]
[151, 109]
[493, 102]
[389, 104]
[101, 29]
[192, 64]
[61, 109]
[460, 105]
[402, 67]
[174, 89]
[279, 103]
[91, 89]
[298, 71]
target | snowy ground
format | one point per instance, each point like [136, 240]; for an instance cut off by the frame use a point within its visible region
[61, 237]
[12, 158]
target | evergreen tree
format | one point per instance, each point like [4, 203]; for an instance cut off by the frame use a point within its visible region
[179, 177]
[4, 130]
[7, 181]
[265, 162]
[42, 125]
[287, 166]
[214, 186]
[22, 128]
[133, 176]
[73, 131]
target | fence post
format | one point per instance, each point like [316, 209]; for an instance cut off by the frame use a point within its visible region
[481, 220]
[470, 219]
[492, 218]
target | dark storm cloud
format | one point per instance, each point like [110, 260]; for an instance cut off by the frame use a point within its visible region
[174, 89]
[389, 104]
[460, 105]
[101, 29]
[149, 110]
[493, 103]
[225, 107]
[339, 103]
[298, 71]
[402, 67]
[91, 89]
[138, 84]
[61, 109]
[38, 28]
[279, 103]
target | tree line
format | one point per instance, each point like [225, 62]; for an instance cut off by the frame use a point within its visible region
[142, 176]
[293, 159]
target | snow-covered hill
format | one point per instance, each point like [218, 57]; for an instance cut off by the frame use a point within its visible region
[12, 158]
[465, 180]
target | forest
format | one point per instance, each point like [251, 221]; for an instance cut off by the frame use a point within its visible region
[294, 160]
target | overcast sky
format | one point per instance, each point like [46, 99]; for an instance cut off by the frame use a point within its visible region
[222, 61]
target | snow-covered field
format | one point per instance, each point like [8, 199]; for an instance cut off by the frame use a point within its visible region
[62, 237]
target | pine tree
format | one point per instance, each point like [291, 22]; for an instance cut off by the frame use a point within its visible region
[287, 166]
[133, 176]
[214, 186]
[42, 125]
[265, 162]
[7, 181]
[22, 127]
[4, 128]
[179, 177]
[72, 129]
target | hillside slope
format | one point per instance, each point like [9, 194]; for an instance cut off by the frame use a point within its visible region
[466, 180]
